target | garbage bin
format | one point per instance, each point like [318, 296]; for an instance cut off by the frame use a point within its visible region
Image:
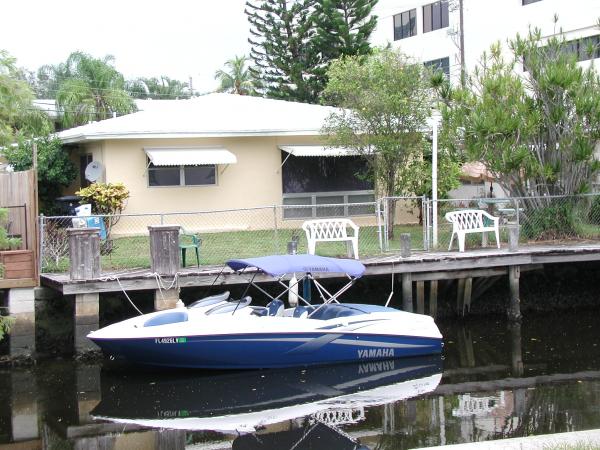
[67, 204]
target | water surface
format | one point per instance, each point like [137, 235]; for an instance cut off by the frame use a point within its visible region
[495, 381]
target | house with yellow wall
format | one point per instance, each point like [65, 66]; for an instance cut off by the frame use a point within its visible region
[223, 152]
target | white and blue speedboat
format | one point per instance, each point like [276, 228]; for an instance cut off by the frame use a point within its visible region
[220, 333]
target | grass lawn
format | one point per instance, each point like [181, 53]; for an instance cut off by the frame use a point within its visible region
[216, 248]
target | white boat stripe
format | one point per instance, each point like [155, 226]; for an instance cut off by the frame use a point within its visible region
[377, 344]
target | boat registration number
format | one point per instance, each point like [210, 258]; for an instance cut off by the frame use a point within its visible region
[171, 340]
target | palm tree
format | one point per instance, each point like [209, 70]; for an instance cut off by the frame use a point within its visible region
[162, 88]
[90, 89]
[236, 77]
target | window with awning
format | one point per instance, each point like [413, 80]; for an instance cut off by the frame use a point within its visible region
[318, 175]
[185, 166]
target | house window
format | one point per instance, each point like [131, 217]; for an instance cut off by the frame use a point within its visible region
[313, 183]
[405, 24]
[441, 64]
[84, 160]
[435, 16]
[181, 175]
[527, 2]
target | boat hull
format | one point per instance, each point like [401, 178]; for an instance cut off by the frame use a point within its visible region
[267, 350]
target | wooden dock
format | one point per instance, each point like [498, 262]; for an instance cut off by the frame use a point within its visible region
[421, 266]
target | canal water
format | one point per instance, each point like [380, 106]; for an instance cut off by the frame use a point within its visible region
[495, 380]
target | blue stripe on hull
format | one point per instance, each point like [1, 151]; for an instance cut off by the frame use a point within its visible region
[244, 351]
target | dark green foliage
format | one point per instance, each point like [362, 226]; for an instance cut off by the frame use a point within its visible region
[281, 36]
[594, 212]
[555, 221]
[294, 42]
[343, 28]
[536, 129]
[55, 169]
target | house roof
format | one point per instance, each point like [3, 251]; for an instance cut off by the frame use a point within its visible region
[212, 115]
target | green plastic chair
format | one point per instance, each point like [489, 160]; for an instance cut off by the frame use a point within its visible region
[189, 240]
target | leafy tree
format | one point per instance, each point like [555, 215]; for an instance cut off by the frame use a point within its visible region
[87, 88]
[162, 88]
[537, 129]
[18, 117]
[386, 99]
[236, 78]
[55, 169]
[282, 50]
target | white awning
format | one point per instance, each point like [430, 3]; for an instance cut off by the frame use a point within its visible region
[317, 150]
[189, 156]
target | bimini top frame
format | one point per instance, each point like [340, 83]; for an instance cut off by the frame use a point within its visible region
[279, 266]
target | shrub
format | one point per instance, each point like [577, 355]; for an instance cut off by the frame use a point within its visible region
[594, 212]
[550, 222]
[106, 198]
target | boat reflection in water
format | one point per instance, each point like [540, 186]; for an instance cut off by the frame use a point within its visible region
[244, 402]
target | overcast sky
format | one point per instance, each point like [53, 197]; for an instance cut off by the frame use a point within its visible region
[177, 38]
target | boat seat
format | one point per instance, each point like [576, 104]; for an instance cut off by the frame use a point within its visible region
[167, 318]
[212, 300]
[301, 312]
[230, 307]
[275, 308]
[333, 311]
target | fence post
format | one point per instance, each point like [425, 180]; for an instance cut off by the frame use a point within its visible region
[41, 243]
[276, 243]
[378, 218]
[386, 243]
[424, 220]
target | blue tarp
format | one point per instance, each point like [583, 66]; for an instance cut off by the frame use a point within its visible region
[281, 264]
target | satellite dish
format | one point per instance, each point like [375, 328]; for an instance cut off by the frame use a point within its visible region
[93, 171]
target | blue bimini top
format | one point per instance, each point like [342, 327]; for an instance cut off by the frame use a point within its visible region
[276, 265]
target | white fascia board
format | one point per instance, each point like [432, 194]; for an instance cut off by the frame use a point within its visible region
[146, 135]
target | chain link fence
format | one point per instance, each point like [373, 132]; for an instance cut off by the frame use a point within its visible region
[539, 219]
[223, 234]
[240, 233]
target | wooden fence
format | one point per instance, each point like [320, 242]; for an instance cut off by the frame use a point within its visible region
[18, 193]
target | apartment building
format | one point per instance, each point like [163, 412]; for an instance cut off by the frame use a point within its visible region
[430, 32]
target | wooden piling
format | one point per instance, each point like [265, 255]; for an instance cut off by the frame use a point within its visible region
[514, 308]
[407, 302]
[164, 249]
[433, 294]
[405, 245]
[460, 295]
[84, 253]
[467, 295]
[420, 297]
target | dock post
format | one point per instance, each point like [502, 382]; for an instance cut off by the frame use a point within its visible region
[460, 296]
[467, 295]
[433, 294]
[84, 255]
[420, 297]
[21, 306]
[514, 308]
[405, 245]
[407, 302]
[165, 260]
